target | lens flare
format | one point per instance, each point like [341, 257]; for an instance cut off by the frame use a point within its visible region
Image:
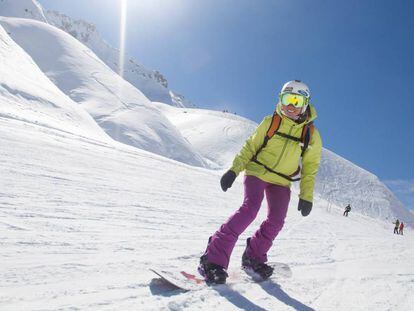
[124, 5]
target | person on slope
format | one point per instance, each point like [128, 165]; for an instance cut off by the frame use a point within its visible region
[401, 228]
[397, 226]
[269, 161]
[347, 210]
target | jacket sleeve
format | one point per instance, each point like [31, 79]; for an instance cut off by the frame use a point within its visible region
[310, 165]
[252, 144]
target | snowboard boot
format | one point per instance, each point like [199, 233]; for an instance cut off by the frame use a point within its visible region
[212, 273]
[250, 264]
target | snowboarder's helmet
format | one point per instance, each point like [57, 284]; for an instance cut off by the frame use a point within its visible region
[298, 88]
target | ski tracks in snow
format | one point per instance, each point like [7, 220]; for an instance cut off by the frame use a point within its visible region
[83, 221]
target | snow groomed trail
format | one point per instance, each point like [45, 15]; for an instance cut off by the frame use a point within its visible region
[82, 221]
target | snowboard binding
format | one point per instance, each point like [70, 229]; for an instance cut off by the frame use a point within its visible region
[259, 268]
[212, 273]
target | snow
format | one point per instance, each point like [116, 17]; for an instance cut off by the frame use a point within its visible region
[342, 182]
[92, 197]
[83, 222]
[26, 94]
[151, 82]
[216, 135]
[119, 108]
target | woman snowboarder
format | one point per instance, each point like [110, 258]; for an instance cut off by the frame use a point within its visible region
[270, 157]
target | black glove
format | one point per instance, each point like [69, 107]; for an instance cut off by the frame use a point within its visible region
[227, 180]
[305, 207]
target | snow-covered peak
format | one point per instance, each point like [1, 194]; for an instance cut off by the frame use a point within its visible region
[118, 107]
[151, 82]
[218, 136]
[342, 182]
[22, 8]
[180, 101]
[27, 95]
[185, 134]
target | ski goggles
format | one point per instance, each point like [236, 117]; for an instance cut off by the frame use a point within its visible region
[296, 100]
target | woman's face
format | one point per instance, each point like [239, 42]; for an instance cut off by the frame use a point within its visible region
[291, 111]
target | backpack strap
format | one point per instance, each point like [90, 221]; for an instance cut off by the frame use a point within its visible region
[304, 140]
[307, 133]
[273, 128]
[274, 125]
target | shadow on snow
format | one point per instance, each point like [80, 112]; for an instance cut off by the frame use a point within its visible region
[274, 289]
[159, 287]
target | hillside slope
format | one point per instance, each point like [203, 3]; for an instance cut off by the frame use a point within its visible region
[219, 136]
[81, 224]
[26, 94]
[119, 108]
[151, 82]
[216, 135]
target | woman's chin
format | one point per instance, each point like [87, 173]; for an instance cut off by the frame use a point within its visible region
[292, 116]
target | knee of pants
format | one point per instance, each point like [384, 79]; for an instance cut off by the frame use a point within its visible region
[250, 209]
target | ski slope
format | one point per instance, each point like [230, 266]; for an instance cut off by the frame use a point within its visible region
[216, 135]
[83, 216]
[193, 136]
[81, 223]
[219, 136]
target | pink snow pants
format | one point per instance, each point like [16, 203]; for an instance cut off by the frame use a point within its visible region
[221, 244]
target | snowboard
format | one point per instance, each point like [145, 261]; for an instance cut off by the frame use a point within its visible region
[181, 279]
[189, 282]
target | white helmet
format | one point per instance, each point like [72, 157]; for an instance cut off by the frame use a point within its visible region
[297, 87]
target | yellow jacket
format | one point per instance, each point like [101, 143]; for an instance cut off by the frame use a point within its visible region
[282, 154]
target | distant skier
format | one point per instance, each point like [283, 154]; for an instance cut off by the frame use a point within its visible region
[397, 226]
[401, 228]
[270, 158]
[347, 210]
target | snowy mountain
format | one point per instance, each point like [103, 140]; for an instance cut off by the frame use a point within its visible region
[219, 136]
[216, 135]
[83, 217]
[151, 82]
[22, 8]
[341, 182]
[119, 108]
[27, 95]
[213, 135]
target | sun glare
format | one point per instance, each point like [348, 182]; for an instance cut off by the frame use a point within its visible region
[124, 4]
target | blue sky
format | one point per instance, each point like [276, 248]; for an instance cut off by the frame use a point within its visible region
[356, 56]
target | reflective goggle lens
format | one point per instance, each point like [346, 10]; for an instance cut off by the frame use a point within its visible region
[293, 99]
